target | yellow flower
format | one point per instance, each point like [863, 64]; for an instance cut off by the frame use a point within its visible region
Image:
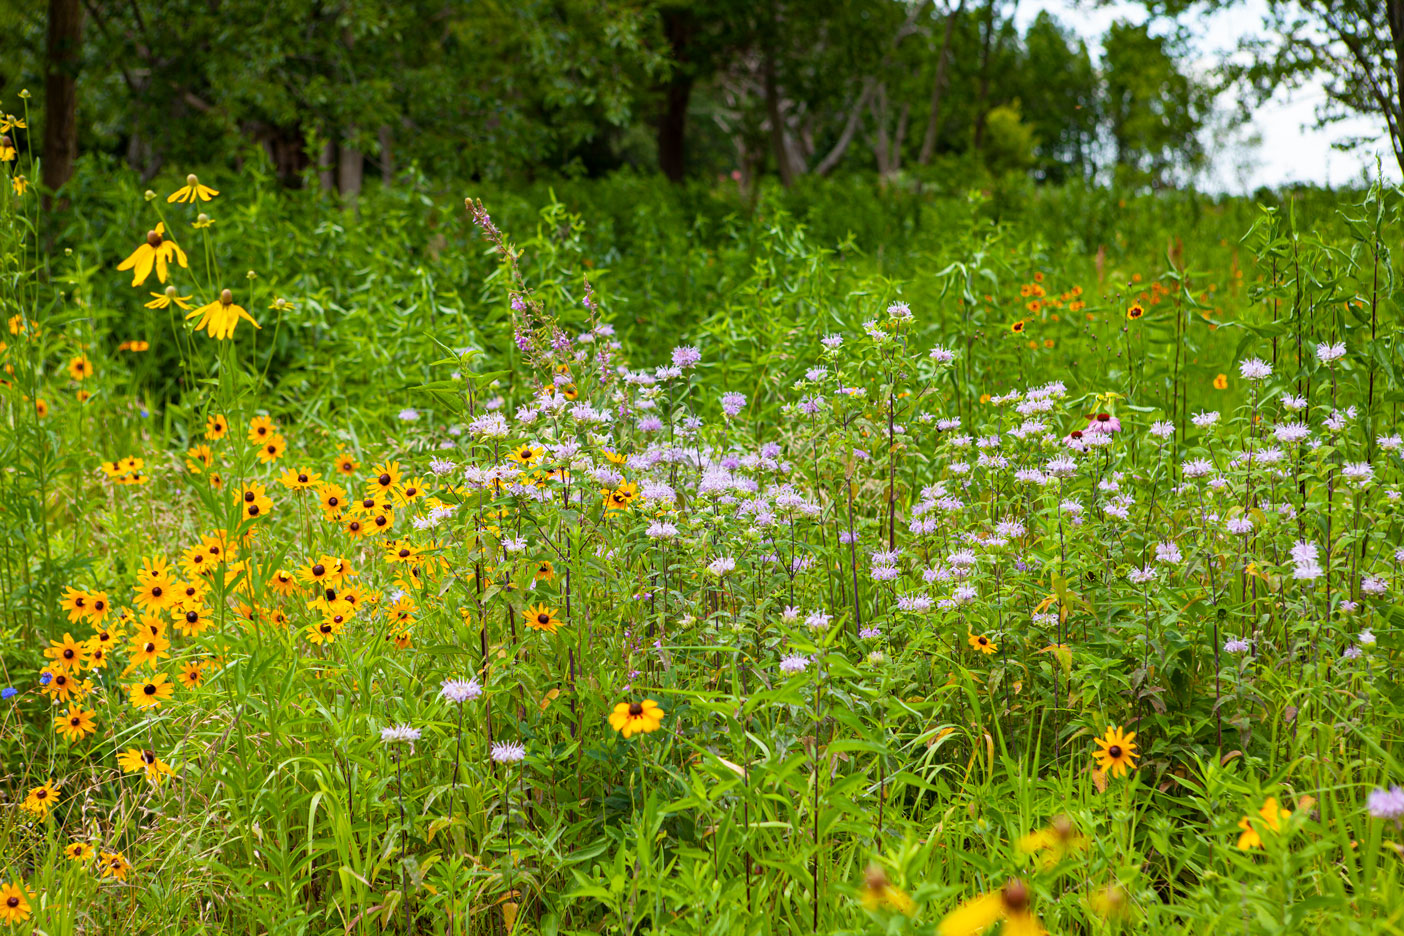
[151, 692]
[1135, 311]
[114, 865]
[220, 317]
[982, 644]
[162, 300]
[1272, 816]
[879, 892]
[7, 149]
[78, 851]
[76, 724]
[14, 903]
[526, 455]
[1118, 751]
[630, 718]
[1010, 904]
[158, 252]
[134, 760]
[40, 799]
[542, 618]
[621, 497]
[20, 183]
[191, 191]
[80, 368]
[1221, 382]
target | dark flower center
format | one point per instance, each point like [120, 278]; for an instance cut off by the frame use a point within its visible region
[148, 756]
[253, 510]
[68, 654]
[149, 689]
[1114, 750]
[331, 594]
[333, 502]
[156, 591]
[319, 569]
[380, 521]
[635, 708]
[543, 619]
[153, 239]
[75, 721]
[99, 605]
[384, 480]
[404, 553]
[249, 497]
[984, 640]
[302, 478]
[355, 526]
[410, 492]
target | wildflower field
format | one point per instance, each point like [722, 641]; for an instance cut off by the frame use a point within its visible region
[850, 560]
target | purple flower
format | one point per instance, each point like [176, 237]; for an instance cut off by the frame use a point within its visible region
[1386, 804]
[733, 402]
[686, 356]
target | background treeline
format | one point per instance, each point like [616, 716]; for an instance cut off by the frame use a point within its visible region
[335, 92]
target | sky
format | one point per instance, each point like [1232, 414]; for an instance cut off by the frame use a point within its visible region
[1288, 147]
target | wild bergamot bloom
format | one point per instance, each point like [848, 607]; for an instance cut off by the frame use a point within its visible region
[220, 317]
[542, 618]
[14, 903]
[1117, 752]
[157, 252]
[1272, 817]
[150, 693]
[75, 724]
[630, 718]
[982, 644]
[1010, 903]
[40, 799]
[190, 191]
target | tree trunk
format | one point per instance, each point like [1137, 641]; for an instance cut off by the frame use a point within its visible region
[938, 88]
[672, 122]
[326, 167]
[61, 92]
[387, 157]
[350, 170]
[983, 93]
[1394, 12]
[777, 122]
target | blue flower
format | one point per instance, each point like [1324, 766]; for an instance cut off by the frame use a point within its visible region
[9, 692]
[44, 678]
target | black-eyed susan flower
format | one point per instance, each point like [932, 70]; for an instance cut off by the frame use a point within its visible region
[1272, 817]
[387, 475]
[79, 851]
[66, 653]
[14, 903]
[526, 454]
[41, 799]
[136, 760]
[156, 585]
[300, 479]
[20, 184]
[631, 718]
[283, 582]
[409, 490]
[260, 428]
[76, 723]
[545, 572]
[1010, 903]
[346, 465]
[220, 317]
[621, 497]
[74, 603]
[61, 686]
[113, 865]
[272, 448]
[150, 693]
[1116, 752]
[981, 644]
[157, 251]
[191, 675]
[192, 621]
[879, 893]
[542, 618]
[324, 631]
[148, 652]
[216, 427]
[332, 499]
[80, 368]
[1054, 842]
[255, 502]
[190, 191]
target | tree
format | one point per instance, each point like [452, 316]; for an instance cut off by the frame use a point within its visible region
[61, 91]
[1154, 111]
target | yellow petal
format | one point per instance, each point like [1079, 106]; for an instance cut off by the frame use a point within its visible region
[972, 917]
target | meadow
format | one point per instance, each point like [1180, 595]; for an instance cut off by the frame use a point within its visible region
[601, 556]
